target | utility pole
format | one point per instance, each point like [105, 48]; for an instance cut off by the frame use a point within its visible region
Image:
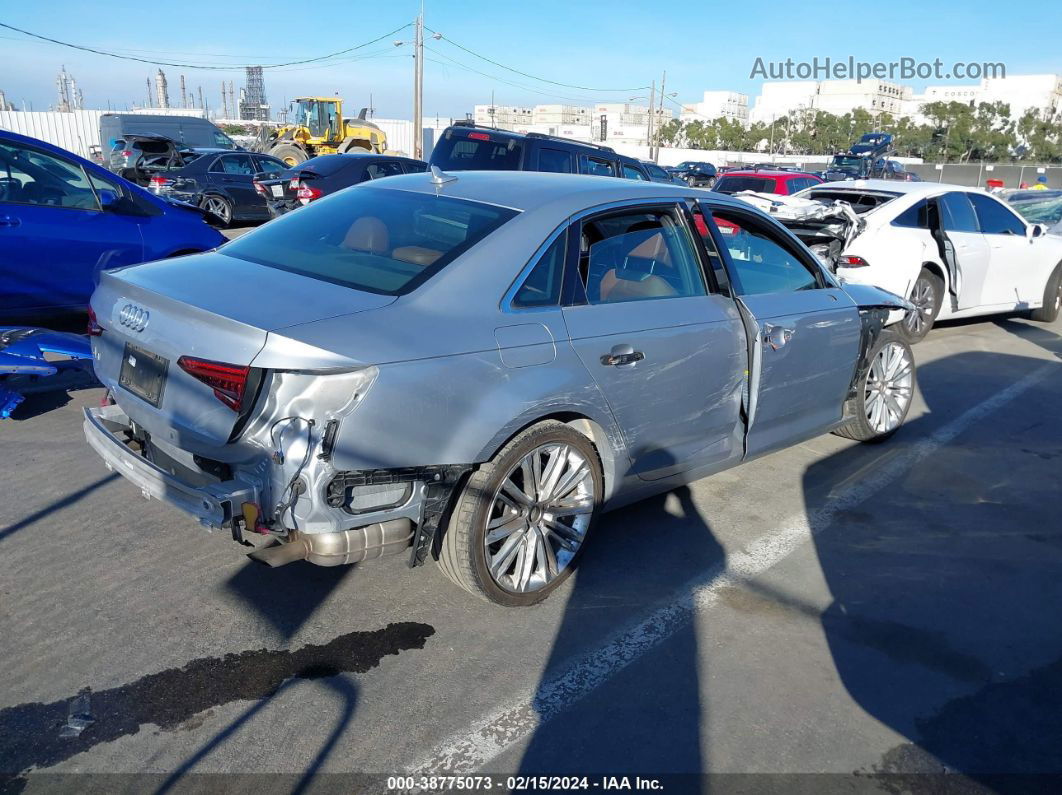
[418, 86]
[663, 83]
[148, 105]
[652, 104]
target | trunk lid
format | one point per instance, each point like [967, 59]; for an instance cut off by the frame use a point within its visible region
[207, 307]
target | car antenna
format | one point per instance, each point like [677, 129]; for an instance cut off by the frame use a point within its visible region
[440, 177]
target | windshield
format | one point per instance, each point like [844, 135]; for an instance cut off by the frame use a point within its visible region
[318, 117]
[1046, 211]
[380, 241]
[735, 184]
[843, 162]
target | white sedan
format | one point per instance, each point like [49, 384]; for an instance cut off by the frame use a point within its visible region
[952, 251]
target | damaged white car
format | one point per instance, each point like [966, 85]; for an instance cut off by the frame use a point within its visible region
[952, 251]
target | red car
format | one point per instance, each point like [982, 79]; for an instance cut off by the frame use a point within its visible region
[765, 181]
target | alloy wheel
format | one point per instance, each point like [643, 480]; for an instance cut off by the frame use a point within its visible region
[539, 517]
[218, 207]
[924, 298]
[889, 387]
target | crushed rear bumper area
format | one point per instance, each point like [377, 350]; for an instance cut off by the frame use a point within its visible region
[212, 504]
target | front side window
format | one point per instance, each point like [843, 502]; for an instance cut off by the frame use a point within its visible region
[598, 166]
[637, 256]
[372, 239]
[30, 176]
[630, 172]
[554, 160]
[993, 218]
[762, 261]
[958, 213]
[542, 287]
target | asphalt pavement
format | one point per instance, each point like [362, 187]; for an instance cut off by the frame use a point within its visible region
[872, 614]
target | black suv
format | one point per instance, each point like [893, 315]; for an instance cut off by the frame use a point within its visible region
[464, 148]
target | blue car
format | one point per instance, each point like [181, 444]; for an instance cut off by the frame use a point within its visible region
[64, 219]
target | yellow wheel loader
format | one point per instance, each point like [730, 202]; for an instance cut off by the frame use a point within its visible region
[317, 127]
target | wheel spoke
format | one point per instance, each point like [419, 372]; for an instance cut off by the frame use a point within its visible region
[571, 507]
[496, 534]
[499, 563]
[552, 569]
[570, 482]
[525, 563]
[515, 493]
[530, 485]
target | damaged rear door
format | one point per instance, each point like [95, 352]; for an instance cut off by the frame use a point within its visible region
[805, 331]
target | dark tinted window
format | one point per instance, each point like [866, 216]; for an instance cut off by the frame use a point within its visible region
[414, 167]
[735, 184]
[233, 164]
[384, 169]
[459, 152]
[915, 217]
[270, 166]
[29, 176]
[762, 261]
[597, 166]
[630, 172]
[555, 160]
[637, 256]
[958, 213]
[542, 287]
[657, 173]
[382, 241]
[994, 218]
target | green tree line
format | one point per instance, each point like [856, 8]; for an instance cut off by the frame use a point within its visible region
[955, 133]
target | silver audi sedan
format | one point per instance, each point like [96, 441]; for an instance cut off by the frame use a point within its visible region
[473, 367]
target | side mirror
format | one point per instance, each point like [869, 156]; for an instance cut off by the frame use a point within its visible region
[1035, 230]
[109, 199]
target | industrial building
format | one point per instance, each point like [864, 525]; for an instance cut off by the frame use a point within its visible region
[609, 122]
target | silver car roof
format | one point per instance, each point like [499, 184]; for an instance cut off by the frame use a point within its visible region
[527, 190]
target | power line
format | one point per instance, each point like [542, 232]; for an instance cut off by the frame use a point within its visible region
[199, 66]
[460, 65]
[525, 74]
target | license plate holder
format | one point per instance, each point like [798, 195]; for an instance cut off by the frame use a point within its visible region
[143, 373]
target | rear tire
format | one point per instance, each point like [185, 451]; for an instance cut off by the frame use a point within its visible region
[927, 295]
[219, 207]
[884, 392]
[710, 183]
[535, 545]
[291, 155]
[1048, 313]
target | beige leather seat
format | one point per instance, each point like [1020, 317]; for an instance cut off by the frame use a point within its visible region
[368, 234]
[617, 285]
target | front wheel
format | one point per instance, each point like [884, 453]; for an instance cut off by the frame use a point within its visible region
[927, 296]
[883, 396]
[521, 522]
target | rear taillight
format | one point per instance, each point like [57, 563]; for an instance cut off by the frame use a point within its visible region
[127, 153]
[259, 187]
[306, 192]
[159, 182]
[849, 261]
[94, 329]
[227, 380]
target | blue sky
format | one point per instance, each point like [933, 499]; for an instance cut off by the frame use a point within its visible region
[592, 43]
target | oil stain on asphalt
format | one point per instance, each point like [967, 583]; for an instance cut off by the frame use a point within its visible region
[32, 733]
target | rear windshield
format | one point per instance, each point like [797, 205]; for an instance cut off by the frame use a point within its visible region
[381, 241]
[460, 152]
[327, 165]
[735, 184]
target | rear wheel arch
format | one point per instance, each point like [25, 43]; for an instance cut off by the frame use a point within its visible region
[940, 272]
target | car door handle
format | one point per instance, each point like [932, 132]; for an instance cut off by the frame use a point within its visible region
[776, 336]
[621, 356]
[9, 220]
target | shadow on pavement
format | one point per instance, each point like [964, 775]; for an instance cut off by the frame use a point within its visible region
[47, 510]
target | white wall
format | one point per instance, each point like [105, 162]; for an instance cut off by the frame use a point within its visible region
[75, 131]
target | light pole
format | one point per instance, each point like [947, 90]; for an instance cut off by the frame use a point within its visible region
[418, 82]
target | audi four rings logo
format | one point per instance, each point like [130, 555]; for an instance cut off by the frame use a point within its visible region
[134, 317]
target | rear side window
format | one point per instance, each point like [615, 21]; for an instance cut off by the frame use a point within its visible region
[372, 239]
[994, 218]
[270, 166]
[915, 217]
[554, 160]
[542, 287]
[233, 164]
[457, 153]
[737, 184]
[384, 169]
[959, 214]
